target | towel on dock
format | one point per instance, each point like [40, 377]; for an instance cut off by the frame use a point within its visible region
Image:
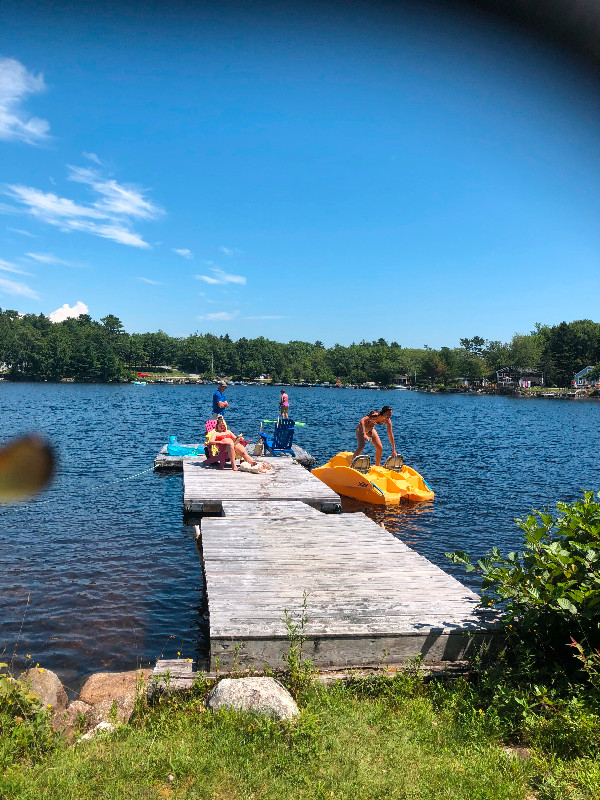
[256, 469]
[183, 450]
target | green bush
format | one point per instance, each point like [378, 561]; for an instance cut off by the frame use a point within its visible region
[549, 594]
[25, 732]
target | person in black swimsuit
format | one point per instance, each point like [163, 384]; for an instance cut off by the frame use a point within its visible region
[365, 432]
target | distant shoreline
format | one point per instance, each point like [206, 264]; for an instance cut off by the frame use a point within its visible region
[545, 394]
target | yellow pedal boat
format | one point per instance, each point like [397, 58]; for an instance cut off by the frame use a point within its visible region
[389, 484]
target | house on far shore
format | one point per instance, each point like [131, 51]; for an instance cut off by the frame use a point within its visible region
[581, 381]
[469, 383]
[511, 377]
[402, 380]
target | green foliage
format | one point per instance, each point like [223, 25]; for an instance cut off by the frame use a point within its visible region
[300, 673]
[25, 732]
[83, 349]
[399, 736]
[568, 348]
[550, 592]
[346, 744]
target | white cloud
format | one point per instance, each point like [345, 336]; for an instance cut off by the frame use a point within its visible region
[8, 266]
[92, 157]
[49, 258]
[12, 287]
[68, 312]
[219, 276]
[108, 217]
[222, 316]
[153, 283]
[23, 233]
[16, 83]
[183, 252]
[229, 251]
[116, 199]
[50, 207]
[266, 316]
[114, 232]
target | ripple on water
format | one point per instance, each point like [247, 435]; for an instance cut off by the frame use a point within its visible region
[101, 573]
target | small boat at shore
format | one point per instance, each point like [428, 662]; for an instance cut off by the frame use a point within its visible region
[389, 484]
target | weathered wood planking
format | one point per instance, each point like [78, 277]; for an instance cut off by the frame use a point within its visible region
[205, 489]
[171, 674]
[368, 594]
[288, 508]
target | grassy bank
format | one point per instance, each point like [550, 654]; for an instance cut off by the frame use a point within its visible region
[524, 725]
[372, 738]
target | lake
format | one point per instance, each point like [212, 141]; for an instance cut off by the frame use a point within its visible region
[100, 572]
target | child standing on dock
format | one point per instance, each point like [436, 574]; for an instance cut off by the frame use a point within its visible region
[284, 405]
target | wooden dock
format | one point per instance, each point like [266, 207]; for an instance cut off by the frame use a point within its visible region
[204, 489]
[370, 599]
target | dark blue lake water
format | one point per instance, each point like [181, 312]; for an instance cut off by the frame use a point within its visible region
[100, 572]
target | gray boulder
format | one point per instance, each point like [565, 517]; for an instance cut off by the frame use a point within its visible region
[119, 709]
[110, 685]
[75, 717]
[101, 727]
[112, 694]
[47, 686]
[262, 695]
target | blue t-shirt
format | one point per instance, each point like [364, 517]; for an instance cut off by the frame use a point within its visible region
[218, 397]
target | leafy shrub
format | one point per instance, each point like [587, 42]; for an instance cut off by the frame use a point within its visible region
[25, 731]
[550, 592]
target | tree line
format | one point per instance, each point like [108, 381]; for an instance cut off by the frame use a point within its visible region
[34, 348]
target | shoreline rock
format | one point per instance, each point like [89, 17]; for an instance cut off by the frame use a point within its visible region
[48, 687]
[259, 695]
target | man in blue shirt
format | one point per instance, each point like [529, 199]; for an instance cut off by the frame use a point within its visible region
[219, 400]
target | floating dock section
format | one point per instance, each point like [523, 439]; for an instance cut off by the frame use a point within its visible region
[205, 489]
[355, 593]
[166, 463]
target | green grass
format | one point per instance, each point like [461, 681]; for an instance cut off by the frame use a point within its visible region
[343, 746]
[371, 739]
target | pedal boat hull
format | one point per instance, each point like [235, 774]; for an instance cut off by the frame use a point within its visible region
[379, 486]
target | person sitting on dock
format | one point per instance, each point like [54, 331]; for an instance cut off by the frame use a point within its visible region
[221, 433]
[219, 400]
[365, 432]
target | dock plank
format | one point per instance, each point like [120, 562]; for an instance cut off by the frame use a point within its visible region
[245, 509]
[366, 592]
[205, 488]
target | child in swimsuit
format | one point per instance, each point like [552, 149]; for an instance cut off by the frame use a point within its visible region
[284, 405]
[365, 432]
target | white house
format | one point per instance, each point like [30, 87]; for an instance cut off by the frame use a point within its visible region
[524, 378]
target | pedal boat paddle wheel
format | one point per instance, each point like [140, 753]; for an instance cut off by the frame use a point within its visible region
[387, 485]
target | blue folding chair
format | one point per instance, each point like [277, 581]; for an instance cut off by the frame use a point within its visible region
[282, 439]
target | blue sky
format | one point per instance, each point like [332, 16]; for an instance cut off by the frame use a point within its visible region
[296, 172]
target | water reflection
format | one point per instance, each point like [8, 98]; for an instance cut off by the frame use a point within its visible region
[114, 578]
